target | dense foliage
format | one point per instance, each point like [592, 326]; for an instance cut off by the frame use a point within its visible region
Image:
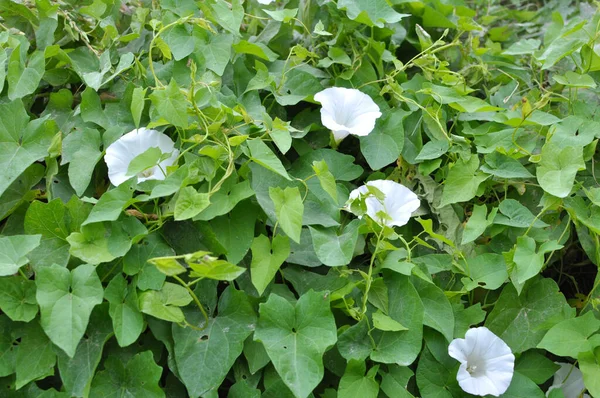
[243, 273]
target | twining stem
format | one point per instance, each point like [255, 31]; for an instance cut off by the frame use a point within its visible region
[198, 303]
[369, 275]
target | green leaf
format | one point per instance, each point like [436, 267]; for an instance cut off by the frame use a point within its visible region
[284, 15]
[91, 111]
[428, 227]
[355, 384]
[124, 310]
[503, 166]
[267, 257]
[212, 351]
[145, 160]
[570, 337]
[478, 223]
[241, 389]
[35, 356]
[435, 378]
[467, 317]
[224, 200]
[524, 46]
[406, 308]
[589, 364]
[48, 219]
[217, 52]
[262, 154]
[17, 298]
[190, 203]
[379, 149]
[354, 342]
[8, 351]
[77, 373]
[370, 12]
[24, 75]
[213, 268]
[326, 179]
[463, 181]
[557, 170]
[111, 204]
[21, 142]
[522, 320]
[289, 210]
[438, 311]
[228, 15]
[164, 304]
[487, 270]
[168, 265]
[91, 244]
[572, 79]
[559, 49]
[296, 336]
[139, 377]
[235, 231]
[66, 301]
[386, 323]
[180, 41]
[529, 262]
[258, 49]
[433, 150]
[14, 250]
[536, 366]
[138, 104]
[136, 261]
[514, 214]
[3, 60]
[395, 381]
[281, 135]
[81, 151]
[171, 105]
[522, 386]
[19, 191]
[335, 246]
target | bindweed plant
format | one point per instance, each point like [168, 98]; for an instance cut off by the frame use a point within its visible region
[299, 198]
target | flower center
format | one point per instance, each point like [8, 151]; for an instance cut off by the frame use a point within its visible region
[475, 368]
[146, 173]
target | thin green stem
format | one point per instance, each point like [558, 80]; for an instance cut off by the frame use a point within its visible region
[198, 303]
[370, 275]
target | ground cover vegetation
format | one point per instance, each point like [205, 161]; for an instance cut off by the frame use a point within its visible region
[299, 198]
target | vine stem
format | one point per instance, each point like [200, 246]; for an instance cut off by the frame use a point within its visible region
[198, 303]
[370, 275]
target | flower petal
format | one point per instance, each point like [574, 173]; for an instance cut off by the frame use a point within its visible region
[121, 152]
[400, 202]
[569, 379]
[476, 385]
[347, 110]
[489, 358]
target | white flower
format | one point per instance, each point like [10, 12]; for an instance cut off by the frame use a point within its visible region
[347, 111]
[570, 380]
[486, 362]
[397, 206]
[121, 152]
[265, 2]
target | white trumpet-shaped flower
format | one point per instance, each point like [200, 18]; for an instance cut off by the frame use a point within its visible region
[394, 208]
[569, 379]
[265, 2]
[121, 152]
[486, 362]
[347, 111]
